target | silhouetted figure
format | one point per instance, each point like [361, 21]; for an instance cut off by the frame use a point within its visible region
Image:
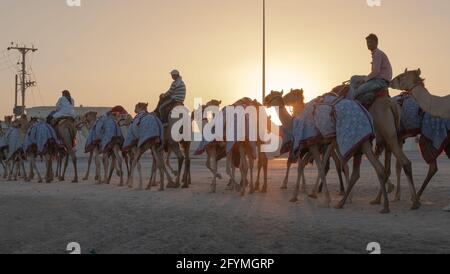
[363, 88]
[173, 97]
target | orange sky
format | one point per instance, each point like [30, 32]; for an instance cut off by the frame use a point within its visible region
[110, 52]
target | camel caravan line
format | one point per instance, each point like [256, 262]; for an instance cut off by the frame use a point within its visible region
[329, 126]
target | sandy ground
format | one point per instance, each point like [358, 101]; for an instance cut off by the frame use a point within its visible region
[44, 218]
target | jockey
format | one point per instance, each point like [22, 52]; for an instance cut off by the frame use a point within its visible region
[64, 109]
[363, 87]
[176, 94]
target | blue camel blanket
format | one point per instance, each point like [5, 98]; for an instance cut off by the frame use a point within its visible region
[40, 135]
[304, 129]
[111, 134]
[145, 126]
[94, 137]
[15, 141]
[411, 115]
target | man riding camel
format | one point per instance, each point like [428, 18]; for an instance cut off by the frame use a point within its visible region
[64, 109]
[363, 88]
[175, 95]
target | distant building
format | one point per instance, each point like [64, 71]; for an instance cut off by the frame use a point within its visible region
[43, 112]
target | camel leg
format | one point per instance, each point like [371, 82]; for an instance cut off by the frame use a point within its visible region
[339, 168]
[105, 167]
[31, 174]
[22, 168]
[432, 170]
[367, 149]
[158, 155]
[89, 167]
[180, 157]
[407, 167]
[152, 180]
[187, 165]
[213, 158]
[258, 173]
[49, 177]
[398, 171]
[265, 167]
[208, 165]
[301, 166]
[229, 170]
[286, 177]
[119, 163]
[354, 178]
[33, 161]
[134, 162]
[111, 168]
[98, 173]
[316, 154]
[66, 163]
[251, 165]
[244, 168]
[326, 168]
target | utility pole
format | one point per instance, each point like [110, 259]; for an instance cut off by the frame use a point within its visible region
[264, 53]
[23, 83]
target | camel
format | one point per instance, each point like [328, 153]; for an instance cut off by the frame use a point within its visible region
[154, 144]
[276, 99]
[14, 139]
[87, 122]
[240, 152]
[67, 132]
[295, 100]
[386, 118]
[32, 149]
[411, 81]
[181, 150]
[111, 145]
[416, 122]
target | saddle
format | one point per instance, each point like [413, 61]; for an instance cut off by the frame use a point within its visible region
[366, 100]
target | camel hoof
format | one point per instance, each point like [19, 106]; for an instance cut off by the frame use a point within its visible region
[416, 205]
[264, 190]
[75, 181]
[283, 187]
[385, 211]
[312, 196]
[161, 189]
[375, 202]
[325, 205]
[40, 182]
[85, 178]
[390, 187]
[341, 193]
[185, 186]
[293, 200]
[340, 205]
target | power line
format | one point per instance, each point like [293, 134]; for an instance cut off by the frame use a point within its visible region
[23, 73]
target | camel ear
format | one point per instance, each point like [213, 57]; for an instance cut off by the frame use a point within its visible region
[282, 92]
[419, 71]
[406, 70]
[220, 102]
[291, 90]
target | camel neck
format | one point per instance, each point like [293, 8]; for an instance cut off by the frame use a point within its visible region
[285, 118]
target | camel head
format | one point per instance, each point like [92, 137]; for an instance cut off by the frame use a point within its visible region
[274, 99]
[8, 120]
[141, 107]
[90, 117]
[124, 120]
[294, 97]
[213, 102]
[407, 80]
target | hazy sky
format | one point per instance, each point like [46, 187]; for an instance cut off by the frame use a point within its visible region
[110, 52]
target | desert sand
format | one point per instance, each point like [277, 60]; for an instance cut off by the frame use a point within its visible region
[44, 218]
